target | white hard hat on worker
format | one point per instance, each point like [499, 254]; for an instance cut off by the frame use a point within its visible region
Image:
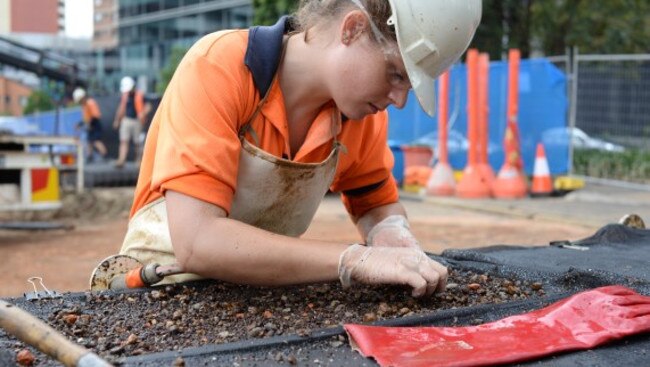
[431, 35]
[126, 84]
[78, 94]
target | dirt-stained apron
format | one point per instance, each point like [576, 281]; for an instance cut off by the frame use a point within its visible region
[272, 193]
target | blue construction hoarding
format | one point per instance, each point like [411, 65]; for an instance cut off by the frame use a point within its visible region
[542, 108]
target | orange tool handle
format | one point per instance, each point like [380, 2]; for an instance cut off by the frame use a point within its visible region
[133, 278]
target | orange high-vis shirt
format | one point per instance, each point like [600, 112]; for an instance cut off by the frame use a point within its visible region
[90, 110]
[193, 147]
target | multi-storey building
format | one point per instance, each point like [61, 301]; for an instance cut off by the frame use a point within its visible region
[32, 16]
[39, 24]
[105, 67]
[13, 96]
[148, 30]
[105, 24]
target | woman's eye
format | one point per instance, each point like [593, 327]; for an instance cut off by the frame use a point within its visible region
[399, 80]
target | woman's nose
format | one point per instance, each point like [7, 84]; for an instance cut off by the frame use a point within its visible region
[398, 97]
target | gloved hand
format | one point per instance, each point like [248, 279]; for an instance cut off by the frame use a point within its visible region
[582, 321]
[392, 231]
[392, 265]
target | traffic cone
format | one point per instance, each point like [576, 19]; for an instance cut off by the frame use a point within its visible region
[542, 182]
[441, 182]
[483, 140]
[509, 184]
[474, 184]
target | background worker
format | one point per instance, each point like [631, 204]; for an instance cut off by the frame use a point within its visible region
[255, 127]
[90, 120]
[129, 118]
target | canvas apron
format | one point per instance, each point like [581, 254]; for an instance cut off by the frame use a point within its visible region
[272, 193]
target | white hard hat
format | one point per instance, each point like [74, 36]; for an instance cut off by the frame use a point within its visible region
[126, 84]
[78, 94]
[432, 35]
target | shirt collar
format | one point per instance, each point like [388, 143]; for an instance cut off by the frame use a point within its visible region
[264, 51]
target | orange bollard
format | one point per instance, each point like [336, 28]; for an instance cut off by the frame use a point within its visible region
[510, 182]
[483, 102]
[542, 182]
[441, 182]
[473, 184]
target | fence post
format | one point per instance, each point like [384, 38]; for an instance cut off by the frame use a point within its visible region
[573, 104]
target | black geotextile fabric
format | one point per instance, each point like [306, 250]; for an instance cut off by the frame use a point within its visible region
[621, 251]
[615, 255]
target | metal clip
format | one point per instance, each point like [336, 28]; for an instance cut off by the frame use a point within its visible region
[568, 245]
[45, 293]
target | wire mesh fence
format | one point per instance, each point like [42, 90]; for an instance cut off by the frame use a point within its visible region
[614, 98]
[609, 115]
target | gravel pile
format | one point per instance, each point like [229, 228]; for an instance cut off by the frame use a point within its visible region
[177, 317]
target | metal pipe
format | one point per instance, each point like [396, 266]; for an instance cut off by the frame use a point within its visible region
[573, 107]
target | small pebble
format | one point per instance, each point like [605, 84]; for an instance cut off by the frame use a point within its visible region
[25, 358]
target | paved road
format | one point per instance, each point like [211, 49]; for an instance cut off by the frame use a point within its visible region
[594, 206]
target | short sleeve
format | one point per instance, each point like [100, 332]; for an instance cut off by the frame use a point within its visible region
[366, 181]
[198, 146]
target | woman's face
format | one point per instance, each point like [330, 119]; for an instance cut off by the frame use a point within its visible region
[368, 77]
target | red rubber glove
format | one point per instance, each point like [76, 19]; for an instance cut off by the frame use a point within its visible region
[582, 321]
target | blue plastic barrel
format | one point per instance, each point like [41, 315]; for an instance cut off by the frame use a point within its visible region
[398, 168]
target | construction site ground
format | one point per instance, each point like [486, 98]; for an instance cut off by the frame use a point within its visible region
[99, 217]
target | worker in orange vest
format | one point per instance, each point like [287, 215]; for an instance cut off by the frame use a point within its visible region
[257, 125]
[90, 121]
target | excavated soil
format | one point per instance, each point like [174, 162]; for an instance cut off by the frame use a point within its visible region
[177, 317]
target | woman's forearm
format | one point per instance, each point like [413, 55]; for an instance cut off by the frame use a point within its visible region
[210, 245]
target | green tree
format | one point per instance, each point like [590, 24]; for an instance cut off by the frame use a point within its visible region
[267, 12]
[38, 101]
[595, 26]
[167, 72]
[504, 24]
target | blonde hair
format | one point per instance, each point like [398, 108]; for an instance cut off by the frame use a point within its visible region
[312, 13]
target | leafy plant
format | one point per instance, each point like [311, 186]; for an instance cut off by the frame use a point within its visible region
[38, 101]
[267, 12]
[632, 165]
[167, 72]
[607, 27]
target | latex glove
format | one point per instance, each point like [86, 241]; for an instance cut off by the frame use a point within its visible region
[392, 231]
[392, 265]
[582, 321]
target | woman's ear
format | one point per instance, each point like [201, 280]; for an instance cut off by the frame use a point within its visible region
[353, 26]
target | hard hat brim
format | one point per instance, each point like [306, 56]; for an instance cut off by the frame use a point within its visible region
[424, 90]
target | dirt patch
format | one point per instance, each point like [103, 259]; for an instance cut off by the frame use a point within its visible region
[91, 206]
[182, 316]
